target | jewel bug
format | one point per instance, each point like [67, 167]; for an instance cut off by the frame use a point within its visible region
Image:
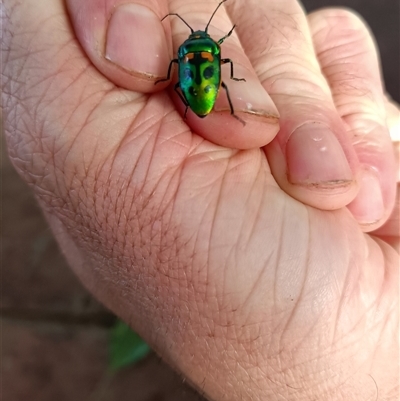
[199, 70]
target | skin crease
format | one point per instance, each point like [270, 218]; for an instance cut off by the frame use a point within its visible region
[236, 281]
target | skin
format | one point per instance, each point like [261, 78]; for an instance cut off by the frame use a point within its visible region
[260, 260]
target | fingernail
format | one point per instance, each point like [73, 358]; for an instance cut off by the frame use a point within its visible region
[314, 157]
[136, 40]
[368, 207]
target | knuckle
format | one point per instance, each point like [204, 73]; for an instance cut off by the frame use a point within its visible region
[331, 21]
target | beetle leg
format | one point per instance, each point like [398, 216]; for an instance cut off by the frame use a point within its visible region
[184, 101]
[175, 60]
[227, 35]
[226, 61]
[230, 103]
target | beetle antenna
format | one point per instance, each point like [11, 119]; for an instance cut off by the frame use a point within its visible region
[218, 6]
[177, 15]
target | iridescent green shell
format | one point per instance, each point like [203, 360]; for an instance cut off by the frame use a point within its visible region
[199, 65]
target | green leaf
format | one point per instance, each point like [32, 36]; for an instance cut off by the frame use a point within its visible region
[126, 347]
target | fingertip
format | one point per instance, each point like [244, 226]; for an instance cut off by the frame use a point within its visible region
[377, 195]
[125, 41]
[324, 195]
[253, 124]
[249, 131]
[136, 41]
[368, 208]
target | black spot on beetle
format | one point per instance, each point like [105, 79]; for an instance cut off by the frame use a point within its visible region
[208, 72]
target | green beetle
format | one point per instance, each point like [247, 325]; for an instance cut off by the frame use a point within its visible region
[199, 70]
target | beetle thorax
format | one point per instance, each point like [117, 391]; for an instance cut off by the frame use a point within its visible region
[198, 42]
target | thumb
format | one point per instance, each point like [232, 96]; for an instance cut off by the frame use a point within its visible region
[125, 41]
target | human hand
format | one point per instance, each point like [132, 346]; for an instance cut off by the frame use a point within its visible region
[247, 291]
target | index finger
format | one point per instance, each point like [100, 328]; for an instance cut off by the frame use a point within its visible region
[131, 46]
[311, 158]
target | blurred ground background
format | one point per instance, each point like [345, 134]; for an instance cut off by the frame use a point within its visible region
[54, 335]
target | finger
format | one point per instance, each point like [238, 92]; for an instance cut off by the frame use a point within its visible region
[390, 231]
[393, 119]
[250, 102]
[312, 157]
[125, 41]
[349, 60]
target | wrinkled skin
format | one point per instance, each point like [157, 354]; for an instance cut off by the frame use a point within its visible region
[257, 272]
